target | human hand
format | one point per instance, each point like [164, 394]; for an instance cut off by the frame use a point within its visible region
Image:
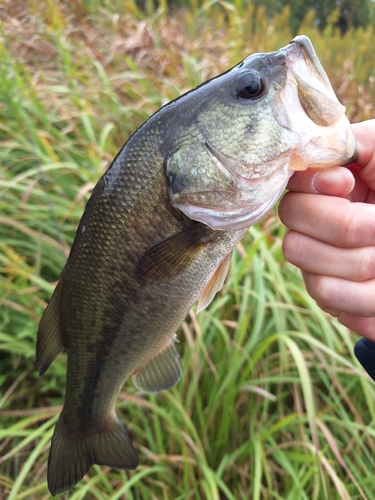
[332, 239]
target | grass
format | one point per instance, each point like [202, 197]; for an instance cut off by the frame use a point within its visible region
[272, 403]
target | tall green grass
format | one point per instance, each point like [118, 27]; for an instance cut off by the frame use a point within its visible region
[272, 404]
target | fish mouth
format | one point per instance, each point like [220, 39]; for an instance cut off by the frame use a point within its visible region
[308, 106]
[314, 90]
[308, 50]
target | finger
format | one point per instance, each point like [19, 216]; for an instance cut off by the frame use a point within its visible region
[317, 257]
[365, 136]
[364, 133]
[358, 324]
[337, 181]
[342, 295]
[361, 191]
[330, 310]
[333, 220]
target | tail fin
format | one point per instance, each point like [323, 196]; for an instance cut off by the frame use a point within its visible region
[72, 455]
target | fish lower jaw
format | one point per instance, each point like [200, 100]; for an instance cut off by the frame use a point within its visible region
[242, 207]
[326, 151]
[237, 219]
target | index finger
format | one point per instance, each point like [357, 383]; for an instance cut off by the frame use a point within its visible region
[333, 220]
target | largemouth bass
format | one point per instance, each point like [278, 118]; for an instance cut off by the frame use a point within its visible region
[158, 232]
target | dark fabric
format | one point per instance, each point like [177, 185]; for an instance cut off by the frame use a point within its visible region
[365, 352]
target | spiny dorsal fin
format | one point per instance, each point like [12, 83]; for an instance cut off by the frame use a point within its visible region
[160, 372]
[73, 452]
[167, 258]
[49, 341]
[215, 284]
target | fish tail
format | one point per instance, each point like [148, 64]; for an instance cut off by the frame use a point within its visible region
[73, 453]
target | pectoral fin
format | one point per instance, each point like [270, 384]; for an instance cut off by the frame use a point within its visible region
[49, 341]
[166, 259]
[215, 284]
[160, 372]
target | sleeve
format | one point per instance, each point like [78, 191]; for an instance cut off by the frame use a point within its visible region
[365, 353]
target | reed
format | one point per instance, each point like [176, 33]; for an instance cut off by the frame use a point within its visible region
[272, 403]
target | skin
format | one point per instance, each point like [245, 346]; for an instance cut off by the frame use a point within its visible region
[332, 239]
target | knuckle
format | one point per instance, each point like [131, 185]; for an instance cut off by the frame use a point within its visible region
[367, 263]
[289, 246]
[330, 310]
[286, 209]
[351, 230]
[357, 227]
[318, 287]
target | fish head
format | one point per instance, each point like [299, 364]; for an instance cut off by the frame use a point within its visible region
[242, 135]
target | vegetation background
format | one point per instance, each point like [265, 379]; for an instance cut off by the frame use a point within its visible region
[272, 403]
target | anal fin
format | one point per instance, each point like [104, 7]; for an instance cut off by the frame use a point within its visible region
[160, 372]
[215, 284]
[49, 341]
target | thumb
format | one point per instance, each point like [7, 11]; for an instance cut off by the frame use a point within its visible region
[364, 133]
[336, 181]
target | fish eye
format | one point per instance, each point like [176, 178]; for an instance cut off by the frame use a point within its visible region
[250, 85]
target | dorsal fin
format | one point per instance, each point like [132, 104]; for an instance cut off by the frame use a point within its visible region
[160, 372]
[49, 341]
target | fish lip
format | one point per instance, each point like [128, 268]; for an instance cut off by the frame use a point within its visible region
[223, 160]
[302, 48]
[308, 49]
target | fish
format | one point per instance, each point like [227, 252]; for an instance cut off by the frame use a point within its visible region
[158, 232]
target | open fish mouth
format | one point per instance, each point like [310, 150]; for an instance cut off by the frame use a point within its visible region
[315, 91]
[327, 128]
[307, 52]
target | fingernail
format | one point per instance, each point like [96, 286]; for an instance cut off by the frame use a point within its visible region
[337, 181]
